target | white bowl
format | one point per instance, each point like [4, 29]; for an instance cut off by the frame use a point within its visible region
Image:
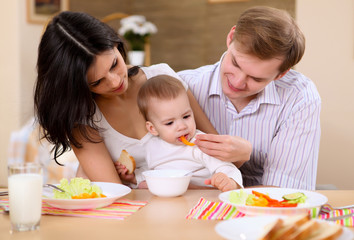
[167, 182]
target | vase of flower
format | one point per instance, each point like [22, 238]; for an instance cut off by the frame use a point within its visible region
[135, 29]
[136, 58]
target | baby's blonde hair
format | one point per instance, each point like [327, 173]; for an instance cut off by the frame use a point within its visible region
[163, 87]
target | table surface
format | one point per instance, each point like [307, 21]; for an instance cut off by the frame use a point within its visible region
[161, 218]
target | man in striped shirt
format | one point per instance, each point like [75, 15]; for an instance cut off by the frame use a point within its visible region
[252, 94]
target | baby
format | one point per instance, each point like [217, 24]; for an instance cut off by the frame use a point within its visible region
[164, 103]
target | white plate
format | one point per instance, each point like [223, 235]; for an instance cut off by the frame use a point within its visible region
[113, 191]
[251, 227]
[314, 200]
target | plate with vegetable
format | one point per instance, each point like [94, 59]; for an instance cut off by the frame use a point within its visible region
[273, 201]
[83, 194]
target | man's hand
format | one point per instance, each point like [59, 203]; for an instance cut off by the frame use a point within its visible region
[123, 173]
[224, 147]
[222, 182]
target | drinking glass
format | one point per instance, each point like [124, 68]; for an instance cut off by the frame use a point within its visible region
[25, 184]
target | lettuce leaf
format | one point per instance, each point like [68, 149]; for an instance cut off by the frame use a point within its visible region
[76, 187]
[239, 197]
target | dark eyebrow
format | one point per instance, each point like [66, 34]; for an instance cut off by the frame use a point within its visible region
[236, 64]
[234, 61]
[114, 63]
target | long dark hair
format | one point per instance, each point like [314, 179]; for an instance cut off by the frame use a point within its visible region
[63, 101]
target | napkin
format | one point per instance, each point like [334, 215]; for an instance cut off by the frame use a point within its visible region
[208, 210]
[348, 222]
[117, 210]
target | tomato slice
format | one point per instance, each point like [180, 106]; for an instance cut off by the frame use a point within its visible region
[185, 141]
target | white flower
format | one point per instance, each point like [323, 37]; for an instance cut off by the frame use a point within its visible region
[138, 25]
[135, 30]
[133, 19]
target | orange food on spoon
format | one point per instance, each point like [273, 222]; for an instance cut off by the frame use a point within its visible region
[185, 141]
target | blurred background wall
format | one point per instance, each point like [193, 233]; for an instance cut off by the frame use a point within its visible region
[191, 33]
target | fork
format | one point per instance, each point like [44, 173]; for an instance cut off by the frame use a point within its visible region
[326, 208]
[45, 185]
[5, 209]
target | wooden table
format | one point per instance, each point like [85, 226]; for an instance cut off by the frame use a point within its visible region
[161, 218]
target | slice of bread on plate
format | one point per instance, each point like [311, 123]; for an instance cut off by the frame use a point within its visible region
[326, 232]
[290, 226]
[300, 227]
[283, 227]
[271, 229]
[296, 220]
[305, 230]
[127, 160]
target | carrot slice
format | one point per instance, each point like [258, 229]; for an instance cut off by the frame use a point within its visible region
[185, 141]
[86, 196]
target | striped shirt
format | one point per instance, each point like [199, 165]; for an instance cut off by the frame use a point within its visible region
[282, 123]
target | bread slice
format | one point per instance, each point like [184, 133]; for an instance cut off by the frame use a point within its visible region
[271, 229]
[290, 225]
[301, 227]
[305, 230]
[326, 232]
[296, 220]
[127, 160]
[284, 232]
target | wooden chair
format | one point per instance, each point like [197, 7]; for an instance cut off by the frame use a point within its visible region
[109, 19]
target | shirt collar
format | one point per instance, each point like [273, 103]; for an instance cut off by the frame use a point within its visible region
[215, 84]
[269, 95]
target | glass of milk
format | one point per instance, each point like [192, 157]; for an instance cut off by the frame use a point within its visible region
[25, 184]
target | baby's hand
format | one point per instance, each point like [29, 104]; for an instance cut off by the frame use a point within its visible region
[222, 182]
[123, 173]
[143, 185]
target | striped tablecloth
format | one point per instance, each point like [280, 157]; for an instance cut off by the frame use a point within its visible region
[117, 210]
[208, 210]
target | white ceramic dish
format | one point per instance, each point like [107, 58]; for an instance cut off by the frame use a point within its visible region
[113, 191]
[167, 182]
[251, 227]
[314, 200]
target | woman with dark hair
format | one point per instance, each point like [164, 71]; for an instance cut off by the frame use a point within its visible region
[85, 96]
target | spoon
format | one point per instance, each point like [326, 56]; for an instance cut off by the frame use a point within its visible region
[191, 172]
[45, 185]
[53, 187]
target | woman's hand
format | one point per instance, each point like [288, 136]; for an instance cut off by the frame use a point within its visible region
[224, 147]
